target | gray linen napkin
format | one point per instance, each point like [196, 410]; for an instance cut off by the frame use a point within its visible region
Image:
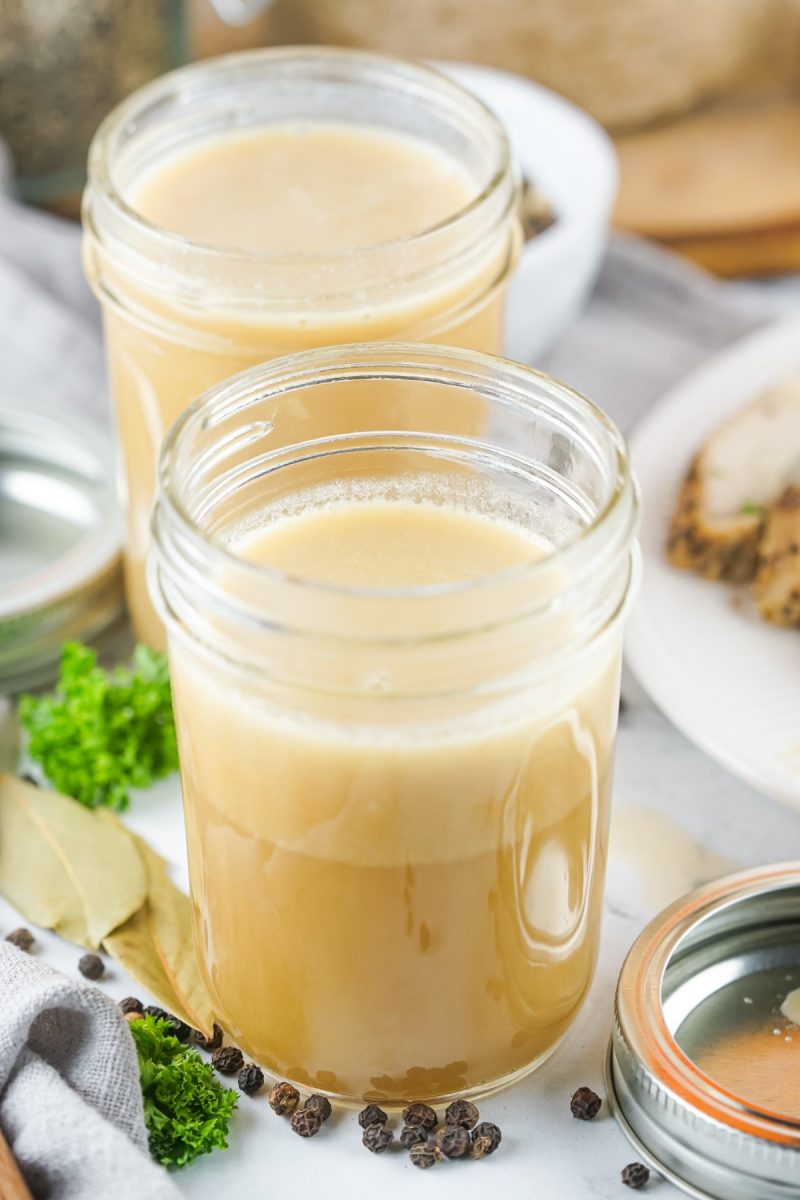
[70, 1104]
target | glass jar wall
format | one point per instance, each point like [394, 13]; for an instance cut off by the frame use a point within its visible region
[382, 204]
[395, 653]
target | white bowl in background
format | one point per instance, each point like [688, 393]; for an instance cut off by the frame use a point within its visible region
[572, 160]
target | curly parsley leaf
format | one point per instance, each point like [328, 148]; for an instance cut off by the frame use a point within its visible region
[186, 1110]
[103, 732]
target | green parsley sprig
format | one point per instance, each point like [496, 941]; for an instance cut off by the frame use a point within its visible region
[103, 732]
[186, 1110]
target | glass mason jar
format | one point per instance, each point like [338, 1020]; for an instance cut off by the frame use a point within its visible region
[396, 798]
[180, 316]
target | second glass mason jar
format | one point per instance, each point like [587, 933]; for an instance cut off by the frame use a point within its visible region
[196, 284]
[395, 655]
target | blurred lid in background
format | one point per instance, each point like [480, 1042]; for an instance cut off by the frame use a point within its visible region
[60, 537]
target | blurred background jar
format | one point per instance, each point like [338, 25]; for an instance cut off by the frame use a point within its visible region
[65, 63]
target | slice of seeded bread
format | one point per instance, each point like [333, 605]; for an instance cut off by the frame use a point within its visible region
[778, 579]
[744, 465]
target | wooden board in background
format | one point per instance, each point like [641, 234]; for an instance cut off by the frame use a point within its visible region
[721, 186]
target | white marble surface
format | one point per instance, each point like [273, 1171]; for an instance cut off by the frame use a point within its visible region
[545, 1152]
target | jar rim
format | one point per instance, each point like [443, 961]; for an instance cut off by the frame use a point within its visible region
[616, 519]
[100, 184]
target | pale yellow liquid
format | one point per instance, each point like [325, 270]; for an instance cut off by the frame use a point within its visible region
[395, 911]
[304, 189]
[310, 189]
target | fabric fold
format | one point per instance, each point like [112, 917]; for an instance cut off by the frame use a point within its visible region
[70, 1102]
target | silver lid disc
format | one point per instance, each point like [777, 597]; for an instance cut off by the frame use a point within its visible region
[705, 1056]
[60, 537]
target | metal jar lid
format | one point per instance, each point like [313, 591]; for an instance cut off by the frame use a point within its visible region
[704, 1068]
[60, 536]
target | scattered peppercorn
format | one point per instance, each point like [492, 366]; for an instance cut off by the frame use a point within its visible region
[425, 1154]
[453, 1141]
[463, 1113]
[22, 938]
[179, 1029]
[251, 1079]
[208, 1043]
[319, 1104]
[131, 1005]
[489, 1131]
[372, 1115]
[585, 1104]
[377, 1138]
[306, 1122]
[481, 1146]
[91, 966]
[227, 1060]
[161, 1014]
[283, 1099]
[420, 1114]
[635, 1175]
[412, 1135]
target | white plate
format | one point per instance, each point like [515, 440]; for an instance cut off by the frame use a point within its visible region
[728, 680]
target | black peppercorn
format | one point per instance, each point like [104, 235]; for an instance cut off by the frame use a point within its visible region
[227, 1060]
[372, 1115]
[462, 1113]
[585, 1104]
[377, 1138]
[425, 1154]
[131, 1005]
[208, 1043]
[488, 1131]
[22, 938]
[412, 1135]
[306, 1122]
[319, 1104]
[178, 1028]
[481, 1146]
[453, 1141]
[635, 1175]
[251, 1079]
[420, 1114]
[91, 966]
[283, 1099]
[161, 1014]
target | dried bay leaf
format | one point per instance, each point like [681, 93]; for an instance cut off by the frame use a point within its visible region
[33, 877]
[63, 867]
[81, 873]
[156, 945]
